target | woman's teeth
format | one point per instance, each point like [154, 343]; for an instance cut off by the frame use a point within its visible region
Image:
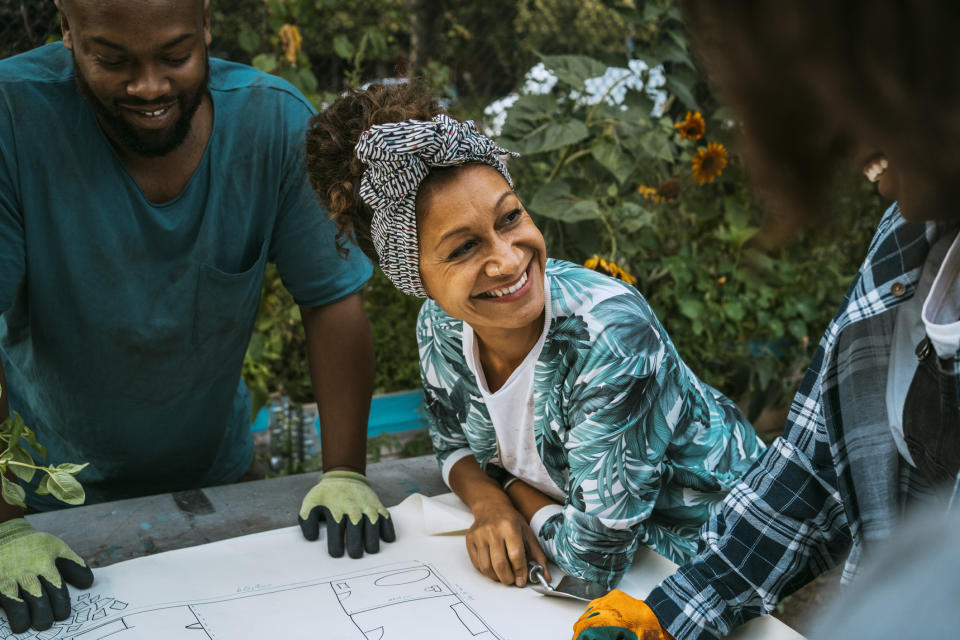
[499, 293]
[875, 169]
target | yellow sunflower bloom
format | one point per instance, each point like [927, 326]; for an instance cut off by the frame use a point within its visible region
[693, 126]
[649, 193]
[291, 40]
[609, 268]
[708, 163]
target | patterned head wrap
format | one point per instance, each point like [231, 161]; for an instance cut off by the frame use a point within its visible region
[398, 156]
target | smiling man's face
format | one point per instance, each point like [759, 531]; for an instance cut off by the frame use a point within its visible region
[142, 65]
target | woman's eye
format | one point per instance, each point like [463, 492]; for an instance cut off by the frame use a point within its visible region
[513, 216]
[176, 62]
[462, 249]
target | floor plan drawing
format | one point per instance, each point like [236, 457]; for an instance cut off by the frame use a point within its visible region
[276, 584]
[387, 603]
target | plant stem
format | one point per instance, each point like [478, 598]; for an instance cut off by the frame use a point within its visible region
[613, 237]
[568, 156]
[22, 464]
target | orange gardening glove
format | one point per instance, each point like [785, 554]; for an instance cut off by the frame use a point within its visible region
[617, 616]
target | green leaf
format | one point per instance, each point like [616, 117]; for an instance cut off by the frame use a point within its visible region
[16, 431]
[797, 328]
[73, 469]
[19, 455]
[735, 236]
[42, 488]
[551, 197]
[574, 70]
[65, 487]
[553, 135]
[681, 82]
[734, 311]
[608, 152]
[525, 115]
[378, 41]
[553, 201]
[343, 47]
[736, 213]
[266, 62]
[30, 438]
[656, 145]
[692, 308]
[633, 217]
[580, 211]
[307, 81]
[766, 368]
[248, 39]
[670, 51]
[13, 493]
[776, 327]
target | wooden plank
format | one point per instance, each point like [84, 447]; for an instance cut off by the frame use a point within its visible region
[115, 531]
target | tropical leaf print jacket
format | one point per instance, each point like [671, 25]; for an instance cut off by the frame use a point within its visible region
[643, 449]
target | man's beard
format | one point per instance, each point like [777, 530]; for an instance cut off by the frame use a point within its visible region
[149, 144]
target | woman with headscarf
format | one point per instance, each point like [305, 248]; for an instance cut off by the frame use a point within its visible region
[558, 407]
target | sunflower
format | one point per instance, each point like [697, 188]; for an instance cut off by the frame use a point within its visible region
[708, 163]
[291, 40]
[649, 193]
[669, 189]
[693, 126]
[609, 268]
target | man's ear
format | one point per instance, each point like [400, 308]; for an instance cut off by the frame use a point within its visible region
[207, 36]
[64, 26]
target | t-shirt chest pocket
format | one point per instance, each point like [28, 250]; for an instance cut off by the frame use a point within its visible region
[226, 307]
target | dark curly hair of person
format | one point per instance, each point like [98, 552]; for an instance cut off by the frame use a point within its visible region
[810, 79]
[333, 167]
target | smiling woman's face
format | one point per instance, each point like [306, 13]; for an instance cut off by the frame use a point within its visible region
[481, 256]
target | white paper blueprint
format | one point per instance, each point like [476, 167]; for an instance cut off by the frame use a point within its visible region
[278, 585]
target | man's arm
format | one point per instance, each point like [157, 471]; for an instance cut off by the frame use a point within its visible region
[340, 353]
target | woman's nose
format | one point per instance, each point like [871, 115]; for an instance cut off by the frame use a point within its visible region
[505, 259]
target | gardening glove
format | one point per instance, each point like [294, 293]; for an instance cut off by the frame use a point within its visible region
[352, 511]
[617, 616]
[33, 566]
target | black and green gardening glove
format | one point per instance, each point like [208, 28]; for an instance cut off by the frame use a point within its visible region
[33, 567]
[352, 511]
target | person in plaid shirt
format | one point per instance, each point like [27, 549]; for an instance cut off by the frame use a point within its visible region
[874, 430]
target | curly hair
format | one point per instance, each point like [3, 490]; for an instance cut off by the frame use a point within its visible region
[810, 79]
[333, 167]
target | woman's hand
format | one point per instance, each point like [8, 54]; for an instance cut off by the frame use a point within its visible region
[500, 542]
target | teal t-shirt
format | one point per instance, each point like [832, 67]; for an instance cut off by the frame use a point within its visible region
[124, 323]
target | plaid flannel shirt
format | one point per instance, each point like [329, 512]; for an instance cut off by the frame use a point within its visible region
[833, 484]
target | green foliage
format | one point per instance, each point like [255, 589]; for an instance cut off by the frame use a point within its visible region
[59, 481]
[419, 444]
[617, 180]
[393, 318]
[743, 318]
[276, 359]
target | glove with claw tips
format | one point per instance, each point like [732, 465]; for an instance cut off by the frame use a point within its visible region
[352, 511]
[33, 567]
[617, 616]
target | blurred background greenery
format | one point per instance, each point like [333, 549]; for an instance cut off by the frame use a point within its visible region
[626, 160]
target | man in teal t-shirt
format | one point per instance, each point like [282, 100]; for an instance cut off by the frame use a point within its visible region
[143, 189]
